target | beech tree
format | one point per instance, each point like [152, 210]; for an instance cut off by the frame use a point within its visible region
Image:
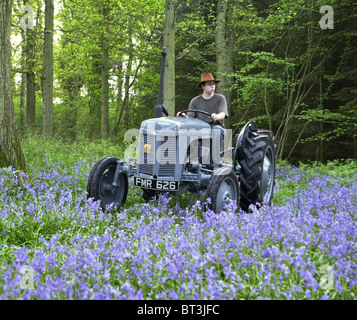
[169, 43]
[221, 45]
[47, 80]
[30, 78]
[10, 146]
[105, 76]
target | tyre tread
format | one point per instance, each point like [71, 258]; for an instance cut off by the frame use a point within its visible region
[250, 157]
[97, 173]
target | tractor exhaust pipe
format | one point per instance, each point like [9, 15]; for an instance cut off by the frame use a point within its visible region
[159, 108]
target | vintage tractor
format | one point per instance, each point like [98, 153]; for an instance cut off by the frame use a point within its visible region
[178, 154]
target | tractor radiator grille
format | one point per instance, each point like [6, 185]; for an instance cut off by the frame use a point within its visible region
[161, 152]
[166, 170]
[146, 169]
[146, 160]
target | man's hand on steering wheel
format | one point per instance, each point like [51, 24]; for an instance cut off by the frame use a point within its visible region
[214, 116]
[181, 114]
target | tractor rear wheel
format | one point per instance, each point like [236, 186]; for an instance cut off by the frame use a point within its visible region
[256, 156]
[100, 184]
[222, 189]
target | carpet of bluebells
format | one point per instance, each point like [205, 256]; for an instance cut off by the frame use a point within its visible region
[57, 244]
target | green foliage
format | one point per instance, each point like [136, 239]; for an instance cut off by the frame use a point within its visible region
[286, 69]
[288, 74]
[342, 168]
[342, 124]
[41, 150]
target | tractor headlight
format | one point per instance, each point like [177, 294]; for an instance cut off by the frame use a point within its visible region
[147, 148]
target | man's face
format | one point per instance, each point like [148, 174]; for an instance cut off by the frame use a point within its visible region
[209, 86]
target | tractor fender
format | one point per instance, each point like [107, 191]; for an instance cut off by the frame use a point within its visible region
[249, 126]
[241, 138]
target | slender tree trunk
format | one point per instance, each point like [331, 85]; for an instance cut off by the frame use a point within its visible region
[105, 92]
[127, 86]
[47, 82]
[30, 81]
[71, 111]
[10, 146]
[23, 82]
[95, 97]
[169, 43]
[119, 72]
[30, 78]
[230, 62]
[221, 46]
[354, 130]
[74, 104]
[105, 81]
[321, 103]
[119, 75]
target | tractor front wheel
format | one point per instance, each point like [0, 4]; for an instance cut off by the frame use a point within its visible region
[223, 188]
[100, 185]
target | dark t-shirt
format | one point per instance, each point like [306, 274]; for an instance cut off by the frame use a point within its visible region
[216, 105]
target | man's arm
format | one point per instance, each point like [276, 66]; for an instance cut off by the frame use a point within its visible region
[219, 116]
[222, 107]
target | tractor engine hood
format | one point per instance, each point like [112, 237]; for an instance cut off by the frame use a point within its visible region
[174, 126]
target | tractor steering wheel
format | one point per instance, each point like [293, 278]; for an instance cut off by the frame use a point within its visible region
[195, 111]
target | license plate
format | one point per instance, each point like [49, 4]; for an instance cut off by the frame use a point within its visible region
[164, 185]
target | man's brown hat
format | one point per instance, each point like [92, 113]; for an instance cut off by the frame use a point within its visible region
[207, 77]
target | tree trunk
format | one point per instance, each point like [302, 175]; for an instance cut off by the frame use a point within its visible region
[321, 104]
[230, 63]
[105, 81]
[30, 79]
[119, 73]
[10, 146]
[354, 128]
[23, 82]
[221, 46]
[95, 97]
[127, 86]
[130, 74]
[105, 93]
[74, 104]
[71, 111]
[47, 82]
[169, 43]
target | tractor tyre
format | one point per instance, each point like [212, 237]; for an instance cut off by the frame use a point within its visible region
[101, 187]
[94, 169]
[257, 159]
[222, 189]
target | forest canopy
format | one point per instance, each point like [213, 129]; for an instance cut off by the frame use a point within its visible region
[84, 69]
